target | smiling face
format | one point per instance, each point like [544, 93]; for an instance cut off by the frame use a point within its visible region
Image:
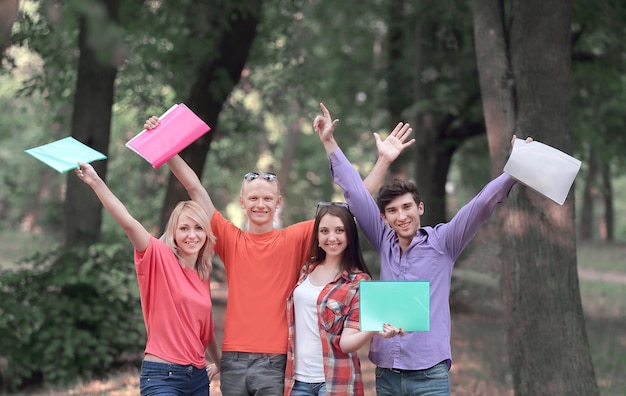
[259, 199]
[331, 235]
[403, 216]
[189, 236]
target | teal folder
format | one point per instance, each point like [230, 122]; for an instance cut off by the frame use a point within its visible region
[403, 304]
[65, 154]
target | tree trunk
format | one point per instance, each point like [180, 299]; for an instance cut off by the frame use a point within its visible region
[436, 138]
[399, 91]
[216, 77]
[289, 156]
[432, 157]
[547, 340]
[496, 81]
[8, 15]
[91, 124]
[607, 195]
[431, 171]
[585, 227]
[30, 220]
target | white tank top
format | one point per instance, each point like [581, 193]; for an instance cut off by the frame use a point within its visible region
[308, 363]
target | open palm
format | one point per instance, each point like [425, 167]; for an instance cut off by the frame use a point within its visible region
[395, 143]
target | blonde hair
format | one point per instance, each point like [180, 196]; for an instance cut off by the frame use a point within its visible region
[192, 209]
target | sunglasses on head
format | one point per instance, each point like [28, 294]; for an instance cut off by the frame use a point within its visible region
[255, 175]
[324, 204]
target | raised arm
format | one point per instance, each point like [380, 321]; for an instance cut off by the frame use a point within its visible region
[325, 128]
[388, 149]
[136, 232]
[186, 176]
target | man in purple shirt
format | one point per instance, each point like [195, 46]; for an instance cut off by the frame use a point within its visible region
[417, 363]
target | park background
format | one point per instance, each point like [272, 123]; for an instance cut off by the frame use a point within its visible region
[539, 297]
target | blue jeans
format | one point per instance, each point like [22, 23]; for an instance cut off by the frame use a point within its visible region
[433, 381]
[168, 379]
[308, 389]
[259, 374]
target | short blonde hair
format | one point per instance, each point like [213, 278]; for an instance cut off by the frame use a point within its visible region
[192, 209]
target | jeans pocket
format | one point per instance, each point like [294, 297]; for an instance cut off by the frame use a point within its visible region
[438, 371]
[153, 379]
[278, 362]
[225, 364]
[154, 374]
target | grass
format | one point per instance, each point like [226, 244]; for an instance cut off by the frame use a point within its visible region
[604, 304]
[478, 340]
[122, 383]
[478, 337]
[600, 256]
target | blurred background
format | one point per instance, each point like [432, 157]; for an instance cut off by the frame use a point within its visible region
[256, 71]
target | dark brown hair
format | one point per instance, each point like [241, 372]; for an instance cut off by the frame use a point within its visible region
[353, 260]
[395, 188]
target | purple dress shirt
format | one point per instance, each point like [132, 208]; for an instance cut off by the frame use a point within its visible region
[430, 256]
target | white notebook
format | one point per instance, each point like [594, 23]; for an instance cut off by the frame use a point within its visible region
[543, 168]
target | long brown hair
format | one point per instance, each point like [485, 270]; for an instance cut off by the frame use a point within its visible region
[352, 260]
[192, 209]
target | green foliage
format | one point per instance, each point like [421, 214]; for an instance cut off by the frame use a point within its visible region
[72, 313]
[130, 177]
[22, 177]
[303, 54]
[598, 82]
[470, 171]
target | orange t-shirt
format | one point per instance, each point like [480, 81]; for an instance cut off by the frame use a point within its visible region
[176, 306]
[261, 270]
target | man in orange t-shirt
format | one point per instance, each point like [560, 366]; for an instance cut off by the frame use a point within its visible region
[262, 266]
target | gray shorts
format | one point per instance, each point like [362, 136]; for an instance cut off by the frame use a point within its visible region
[245, 373]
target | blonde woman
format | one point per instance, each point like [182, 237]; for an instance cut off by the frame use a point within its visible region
[173, 277]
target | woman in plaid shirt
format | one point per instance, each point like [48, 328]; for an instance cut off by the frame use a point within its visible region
[323, 310]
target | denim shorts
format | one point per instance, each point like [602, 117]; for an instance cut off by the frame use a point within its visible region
[172, 379]
[431, 381]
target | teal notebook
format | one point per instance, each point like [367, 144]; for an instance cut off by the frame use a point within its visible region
[404, 304]
[65, 154]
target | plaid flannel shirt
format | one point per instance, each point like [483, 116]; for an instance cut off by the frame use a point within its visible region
[337, 308]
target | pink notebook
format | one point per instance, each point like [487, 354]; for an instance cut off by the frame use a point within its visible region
[179, 127]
